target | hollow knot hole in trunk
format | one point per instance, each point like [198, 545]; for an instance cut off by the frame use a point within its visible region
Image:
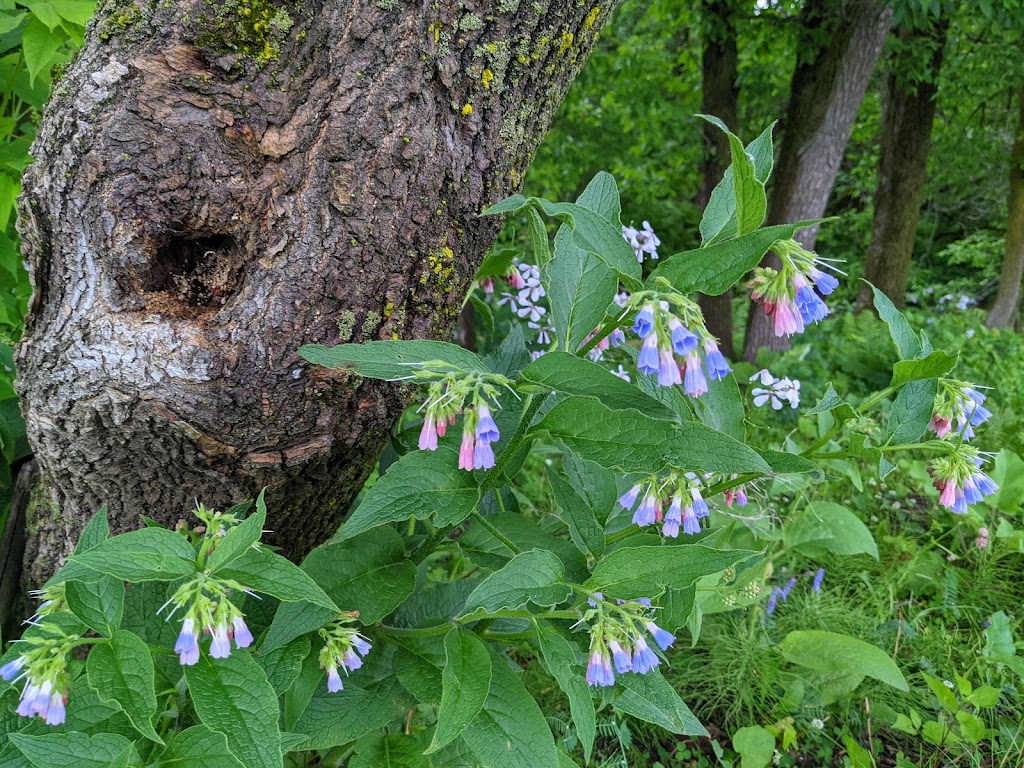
[194, 273]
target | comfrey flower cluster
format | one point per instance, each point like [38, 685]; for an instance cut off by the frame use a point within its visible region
[959, 479]
[343, 647]
[43, 666]
[643, 241]
[618, 637]
[447, 397]
[959, 402]
[680, 492]
[205, 600]
[787, 295]
[672, 325]
[776, 391]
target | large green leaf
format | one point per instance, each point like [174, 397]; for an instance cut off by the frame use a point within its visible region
[339, 718]
[929, 367]
[96, 531]
[563, 665]
[827, 526]
[716, 268]
[643, 571]
[121, 671]
[749, 200]
[391, 360]
[465, 681]
[70, 750]
[283, 665]
[240, 538]
[571, 375]
[912, 411]
[651, 698]
[100, 604]
[630, 441]
[369, 574]
[579, 515]
[420, 484]
[510, 731]
[597, 235]
[755, 745]
[198, 747]
[396, 750]
[232, 696]
[833, 653]
[908, 345]
[719, 220]
[149, 554]
[271, 574]
[721, 408]
[532, 575]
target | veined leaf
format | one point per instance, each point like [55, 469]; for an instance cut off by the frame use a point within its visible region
[391, 360]
[465, 681]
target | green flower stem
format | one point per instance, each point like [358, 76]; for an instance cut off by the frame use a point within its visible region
[495, 532]
[440, 629]
[606, 328]
[836, 428]
[875, 398]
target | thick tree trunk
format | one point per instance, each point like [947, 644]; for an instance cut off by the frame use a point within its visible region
[1004, 309]
[827, 89]
[720, 98]
[908, 110]
[223, 181]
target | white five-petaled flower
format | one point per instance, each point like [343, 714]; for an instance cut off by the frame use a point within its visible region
[776, 391]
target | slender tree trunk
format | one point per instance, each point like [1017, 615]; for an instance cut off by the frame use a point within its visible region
[720, 98]
[1004, 309]
[215, 189]
[908, 111]
[828, 86]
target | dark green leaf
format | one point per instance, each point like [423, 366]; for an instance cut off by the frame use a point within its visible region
[599, 236]
[100, 604]
[391, 360]
[271, 574]
[530, 575]
[571, 375]
[721, 408]
[564, 666]
[908, 345]
[508, 205]
[70, 750]
[339, 718]
[912, 411]
[934, 365]
[198, 747]
[150, 554]
[232, 696]
[121, 671]
[282, 665]
[831, 652]
[716, 268]
[240, 539]
[96, 531]
[579, 515]
[465, 680]
[643, 571]
[826, 526]
[651, 698]
[420, 484]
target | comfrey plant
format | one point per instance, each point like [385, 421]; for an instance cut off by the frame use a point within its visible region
[393, 639]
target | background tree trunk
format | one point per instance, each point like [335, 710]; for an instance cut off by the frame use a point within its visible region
[1004, 309]
[720, 97]
[216, 189]
[908, 111]
[829, 82]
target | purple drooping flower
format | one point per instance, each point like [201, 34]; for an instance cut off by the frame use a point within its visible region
[662, 637]
[220, 645]
[718, 366]
[361, 645]
[486, 428]
[683, 339]
[824, 282]
[644, 659]
[628, 499]
[243, 637]
[808, 303]
[599, 670]
[819, 577]
[691, 525]
[668, 370]
[333, 680]
[644, 321]
[11, 669]
[428, 435]
[483, 456]
[648, 361]
[623, 662]
[694, 382]
[700, 507]
[187, 646]
[645, 514]
[56, 711]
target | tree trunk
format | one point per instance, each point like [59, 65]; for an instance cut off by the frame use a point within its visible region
[828, 85]
[720, 98]
[221, 182]
[1004, 309]
[908, 110]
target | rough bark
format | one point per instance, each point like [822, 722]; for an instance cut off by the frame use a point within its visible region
[828, 85]
[1006, 305]
[720, 96]
[222, 182]
[908, 111]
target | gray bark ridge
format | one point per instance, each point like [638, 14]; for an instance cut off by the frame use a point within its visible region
[1007, 302]
[215, 189]
[826, 94]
